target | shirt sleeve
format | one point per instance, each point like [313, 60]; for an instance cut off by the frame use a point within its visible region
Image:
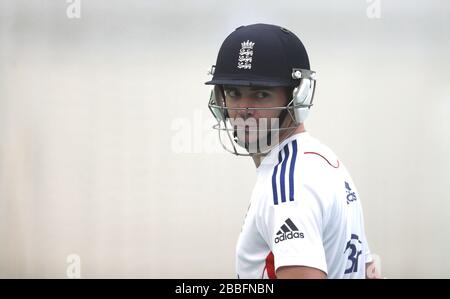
[368, 255]
[293, 230]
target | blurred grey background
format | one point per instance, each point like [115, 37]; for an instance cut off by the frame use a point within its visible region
[106, 150]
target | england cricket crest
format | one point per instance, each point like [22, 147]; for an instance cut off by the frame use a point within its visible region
[245, 55]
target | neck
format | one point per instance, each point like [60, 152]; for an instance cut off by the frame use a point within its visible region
[257, 158]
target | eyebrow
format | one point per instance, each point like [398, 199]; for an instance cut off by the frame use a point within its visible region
[252, 88]
[261, 88]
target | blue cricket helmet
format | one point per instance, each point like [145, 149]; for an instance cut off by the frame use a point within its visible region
[259, 55]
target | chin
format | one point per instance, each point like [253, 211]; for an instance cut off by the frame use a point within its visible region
[251, 140]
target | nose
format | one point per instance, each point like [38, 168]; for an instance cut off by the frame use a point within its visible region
[243, 105]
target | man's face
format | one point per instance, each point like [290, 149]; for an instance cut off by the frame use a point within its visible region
[255, 122]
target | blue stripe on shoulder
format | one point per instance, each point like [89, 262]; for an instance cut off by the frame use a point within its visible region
[274, 180]
[291, 170]
[283, 173]
[282, 180]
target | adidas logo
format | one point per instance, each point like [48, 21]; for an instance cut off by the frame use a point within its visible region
[288, 231]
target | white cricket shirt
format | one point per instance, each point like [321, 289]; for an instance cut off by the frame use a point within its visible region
[304, 210]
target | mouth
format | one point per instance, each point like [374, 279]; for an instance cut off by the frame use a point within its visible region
[247, 133]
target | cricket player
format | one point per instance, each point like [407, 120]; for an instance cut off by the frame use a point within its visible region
[305, 218]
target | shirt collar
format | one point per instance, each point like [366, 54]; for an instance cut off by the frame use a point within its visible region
[271, 159]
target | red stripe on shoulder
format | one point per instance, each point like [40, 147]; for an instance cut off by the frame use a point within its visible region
[314, 153]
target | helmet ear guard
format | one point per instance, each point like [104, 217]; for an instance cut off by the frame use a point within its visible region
[216, 100]
[303, 94]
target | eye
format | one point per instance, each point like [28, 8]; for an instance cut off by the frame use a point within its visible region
[231, 93]
[262, 95]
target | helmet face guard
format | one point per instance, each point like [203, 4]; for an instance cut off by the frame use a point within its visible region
[247, 137]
